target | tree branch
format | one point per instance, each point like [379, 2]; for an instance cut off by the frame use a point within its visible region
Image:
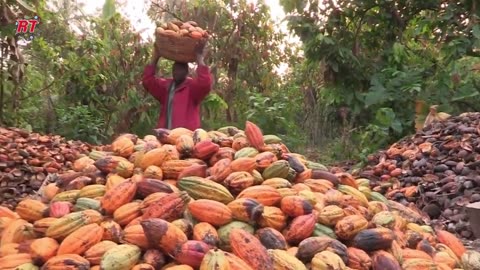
[38, 92]
[165, 10]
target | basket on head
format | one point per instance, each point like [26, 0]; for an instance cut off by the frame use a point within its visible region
[176, 48]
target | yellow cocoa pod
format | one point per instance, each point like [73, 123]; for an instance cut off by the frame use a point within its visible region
[282, 260]
[327, 260]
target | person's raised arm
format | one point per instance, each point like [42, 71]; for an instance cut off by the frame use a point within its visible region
[202, 84]
[157, 87]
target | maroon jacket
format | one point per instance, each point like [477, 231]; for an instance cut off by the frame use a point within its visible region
[187, 99]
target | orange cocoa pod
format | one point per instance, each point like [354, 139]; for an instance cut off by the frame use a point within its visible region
[49, 191]
[171, 152]
[153, 172]
[408, 253]
[358, 259]
[6, 212]
[164, 235]
[169, 207]
[123, 146]
[150, 199]
[292, 251]
[243, 164]
[81, 240]
[143, 266]
[254, 135]
[347, 179]
[136, 221]
[42, 249]
[301, 177]
[17, 231]
[300, 228]
[112, 231]
[135, 235]
[14, 260]
[451, 241]
[155, 157]
[172, 168]
[223, 152]
[246, 209]
[94, 254]
[205, 149]
[113, 180]
[4, 222]
[239, 181]
[40, 226]
[16, 248]
[67, 262]
[319, 185]
[444, 258]
[196, 35]
[9, 249]
[192, 252]
[155, 258]
[301, 186]
[277, 183]
[31, 210]
[266, 195]
[119, 195]
[199, 170]
[250, 249]
[213, 212]
[221, 170]
[236, 263]
[175, 133]
[127, 212]
[273, 217]
[174, 266]
[265, 159]
[185, 225]
[349, 226]
[240, 143]
[184, 145]
[295, 206]
[205, 232]
[418, 264]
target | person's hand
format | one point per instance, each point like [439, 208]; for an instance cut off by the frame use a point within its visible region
[200, 49]
[155, 55]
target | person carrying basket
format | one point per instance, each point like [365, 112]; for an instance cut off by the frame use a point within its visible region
[180, 96]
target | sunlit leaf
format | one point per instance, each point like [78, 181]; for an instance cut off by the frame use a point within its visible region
[108, 10]
[25, 7]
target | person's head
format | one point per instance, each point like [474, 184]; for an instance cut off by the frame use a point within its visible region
[179, 72]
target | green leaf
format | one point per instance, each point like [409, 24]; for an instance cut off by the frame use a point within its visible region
[25, 7]
[476, 31]
[108, 10]
[376, 94]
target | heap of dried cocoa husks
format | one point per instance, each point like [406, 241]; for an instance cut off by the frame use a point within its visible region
[27, 158]
[437, 168]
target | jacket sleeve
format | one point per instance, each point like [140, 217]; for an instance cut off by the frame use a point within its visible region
[157, 87]
[202, 84]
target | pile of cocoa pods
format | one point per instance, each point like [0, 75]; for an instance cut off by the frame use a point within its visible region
[437, 169]
[27, 158]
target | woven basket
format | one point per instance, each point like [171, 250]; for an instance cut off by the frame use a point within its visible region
[176, 48]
